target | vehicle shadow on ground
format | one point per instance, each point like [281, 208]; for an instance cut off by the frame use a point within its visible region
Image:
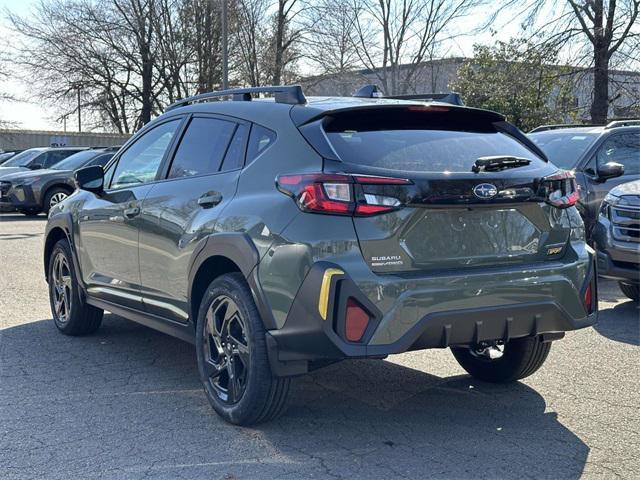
[620, 323]
[129, 398]
[18, 217]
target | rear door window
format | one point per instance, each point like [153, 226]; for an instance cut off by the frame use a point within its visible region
[418, 141]
[202, 148]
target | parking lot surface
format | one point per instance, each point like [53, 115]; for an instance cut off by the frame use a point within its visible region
[127, 403]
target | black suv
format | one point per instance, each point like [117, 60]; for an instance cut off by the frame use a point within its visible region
[616, 238]
[35, 191]
[601, 156]
[280, 235]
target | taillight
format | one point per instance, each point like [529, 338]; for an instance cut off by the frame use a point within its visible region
[339, 194]
[560, 189]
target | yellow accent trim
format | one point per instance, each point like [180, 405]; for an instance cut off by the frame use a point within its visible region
[323, 300]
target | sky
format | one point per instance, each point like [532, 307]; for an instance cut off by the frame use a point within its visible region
[32, 115]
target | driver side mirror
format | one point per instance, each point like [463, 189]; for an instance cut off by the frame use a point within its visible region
[90, 179]
[609, 170]
[35, 166]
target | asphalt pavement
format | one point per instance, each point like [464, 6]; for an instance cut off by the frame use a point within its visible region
[126, 403]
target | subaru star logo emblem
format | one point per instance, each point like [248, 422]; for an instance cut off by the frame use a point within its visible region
[485, 190]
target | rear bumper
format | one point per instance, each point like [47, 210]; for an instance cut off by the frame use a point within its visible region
[306, 338]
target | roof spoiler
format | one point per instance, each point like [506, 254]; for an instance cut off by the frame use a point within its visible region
[372, 91]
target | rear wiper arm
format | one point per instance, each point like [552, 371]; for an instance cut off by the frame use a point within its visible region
[498, 162]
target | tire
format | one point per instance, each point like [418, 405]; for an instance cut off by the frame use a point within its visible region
[630, 290]
[70, 314]
[233, 346]
[30, 212]
[54, 196]
[521, 358]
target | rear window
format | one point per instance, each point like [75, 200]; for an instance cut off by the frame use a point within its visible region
[418, 141]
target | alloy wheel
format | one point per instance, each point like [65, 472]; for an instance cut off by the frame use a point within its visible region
[62, 288]
[226, 350]
[56, 198]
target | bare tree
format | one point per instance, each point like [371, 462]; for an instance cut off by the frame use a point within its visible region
[605, 28]
[286, 35]
[330, 43]
[395, 37]
[252, 40]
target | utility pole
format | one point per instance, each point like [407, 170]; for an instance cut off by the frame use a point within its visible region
[225, 46]
[79, 113]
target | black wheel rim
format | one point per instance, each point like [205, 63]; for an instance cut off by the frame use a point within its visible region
[61, 287]
[226, 350]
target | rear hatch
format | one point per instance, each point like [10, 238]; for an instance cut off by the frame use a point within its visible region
[469, 193]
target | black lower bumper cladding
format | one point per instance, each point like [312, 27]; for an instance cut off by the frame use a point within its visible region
[306, 338]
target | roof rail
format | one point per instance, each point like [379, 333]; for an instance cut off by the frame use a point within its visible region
[290, 94]
[544, 128]
[372, 91]
[623, 123]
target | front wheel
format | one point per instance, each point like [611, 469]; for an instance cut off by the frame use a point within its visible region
[232, 355]
[519, 358]
[71, 315]
[630, 290]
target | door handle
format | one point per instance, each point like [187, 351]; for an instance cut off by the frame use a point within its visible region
[210, 199]
[131, 212]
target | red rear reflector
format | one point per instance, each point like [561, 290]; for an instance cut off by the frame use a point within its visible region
[588, 299]
[356, 322]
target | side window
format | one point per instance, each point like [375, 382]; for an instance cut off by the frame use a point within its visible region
[40, 160]
[202, 147]
[259, 140]
[235, 153]
[623, 148]
[56, 156]
[101, 160]
[140, 162]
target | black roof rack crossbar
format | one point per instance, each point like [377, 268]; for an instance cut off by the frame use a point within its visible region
[290, 94]
[372, 91]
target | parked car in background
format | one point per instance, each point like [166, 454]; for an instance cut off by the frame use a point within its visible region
[616, 238]
[4, 156]
[35, 191]
[37, 158]
[601, 156]
[281, 236]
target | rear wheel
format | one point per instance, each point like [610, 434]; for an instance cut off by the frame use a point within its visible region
[70, 315]
[520, 358]
[232, 355]
[630, 290]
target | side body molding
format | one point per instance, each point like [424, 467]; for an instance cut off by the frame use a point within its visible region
[239, 248]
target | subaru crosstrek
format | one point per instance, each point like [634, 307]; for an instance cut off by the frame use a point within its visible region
[283, 234]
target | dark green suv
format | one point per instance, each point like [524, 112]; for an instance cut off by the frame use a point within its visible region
[283, 234]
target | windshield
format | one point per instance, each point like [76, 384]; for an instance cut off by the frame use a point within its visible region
[75, 161]
[22, 159]
[563, 148]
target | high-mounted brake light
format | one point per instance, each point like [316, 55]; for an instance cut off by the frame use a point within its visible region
[560, 189]
[336, 193]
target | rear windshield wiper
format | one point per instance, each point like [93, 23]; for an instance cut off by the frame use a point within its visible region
[498, 162]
